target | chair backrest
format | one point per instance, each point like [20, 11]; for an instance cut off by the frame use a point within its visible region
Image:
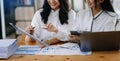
[24, 13]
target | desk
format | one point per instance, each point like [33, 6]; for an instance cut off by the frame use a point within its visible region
[96, 56]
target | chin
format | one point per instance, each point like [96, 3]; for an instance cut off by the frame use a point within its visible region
[53, 7]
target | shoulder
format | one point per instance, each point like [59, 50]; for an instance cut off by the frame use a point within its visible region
[37, 16]
[112, 14]
[37, 13]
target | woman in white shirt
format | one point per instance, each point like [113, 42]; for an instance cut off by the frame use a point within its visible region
[55, 12]
[99, 18]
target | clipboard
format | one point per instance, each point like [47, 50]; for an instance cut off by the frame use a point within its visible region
[24, 32]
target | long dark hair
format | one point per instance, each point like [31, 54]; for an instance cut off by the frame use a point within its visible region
[63, 13]
[106, 5]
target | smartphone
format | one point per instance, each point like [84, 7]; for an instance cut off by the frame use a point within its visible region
[75, 32]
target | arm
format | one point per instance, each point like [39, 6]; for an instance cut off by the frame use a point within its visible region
[36, 31]
[63, 33]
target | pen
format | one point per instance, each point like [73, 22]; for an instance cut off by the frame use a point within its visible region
[64, 47]
[31, 31]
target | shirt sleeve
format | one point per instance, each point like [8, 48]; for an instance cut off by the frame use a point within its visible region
[63, 34]
[36, 21]
[111, 24]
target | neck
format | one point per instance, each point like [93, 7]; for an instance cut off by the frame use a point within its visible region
[96, 10]
[55, 9]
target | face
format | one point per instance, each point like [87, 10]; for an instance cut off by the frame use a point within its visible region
[54, 4]
[91, 3]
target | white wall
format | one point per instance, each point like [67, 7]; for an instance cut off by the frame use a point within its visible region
[38, 4]
[78, 4]
[116, 5]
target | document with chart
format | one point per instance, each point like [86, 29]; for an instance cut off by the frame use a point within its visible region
[64, 49]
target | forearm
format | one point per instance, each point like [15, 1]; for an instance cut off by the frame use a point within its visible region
[52, 41]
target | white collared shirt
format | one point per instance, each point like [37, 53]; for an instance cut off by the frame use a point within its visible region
[104, 21]
[54, 19]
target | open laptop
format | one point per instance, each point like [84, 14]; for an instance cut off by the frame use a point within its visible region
[100, 41]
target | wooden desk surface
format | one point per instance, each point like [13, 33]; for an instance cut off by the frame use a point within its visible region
[96, 56]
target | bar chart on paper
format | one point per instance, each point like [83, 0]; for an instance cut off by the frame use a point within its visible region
[65, 49]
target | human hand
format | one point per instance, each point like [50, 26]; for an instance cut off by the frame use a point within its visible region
[30, 29]
[52, 41]
[50, 27]
[74, 37]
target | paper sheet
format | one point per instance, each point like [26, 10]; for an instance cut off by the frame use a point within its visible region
[65, 49]
[6, 42]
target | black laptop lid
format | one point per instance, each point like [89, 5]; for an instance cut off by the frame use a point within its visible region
[100, 41]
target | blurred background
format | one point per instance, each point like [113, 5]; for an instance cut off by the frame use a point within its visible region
[20, 12]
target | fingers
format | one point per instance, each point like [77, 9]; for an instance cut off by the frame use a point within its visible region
[47, 26]
[30, 29]
[71, 36]
[50, 27]
[74, 37]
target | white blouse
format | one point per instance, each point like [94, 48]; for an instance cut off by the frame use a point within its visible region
[53, 18]
[103, 21]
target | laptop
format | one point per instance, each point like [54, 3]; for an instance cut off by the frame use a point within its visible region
[100, 41]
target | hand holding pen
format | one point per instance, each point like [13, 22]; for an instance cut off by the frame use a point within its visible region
[30, 40]
[30, 29]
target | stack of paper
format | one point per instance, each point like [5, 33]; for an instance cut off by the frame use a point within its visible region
[7, 47]
[28, 49]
